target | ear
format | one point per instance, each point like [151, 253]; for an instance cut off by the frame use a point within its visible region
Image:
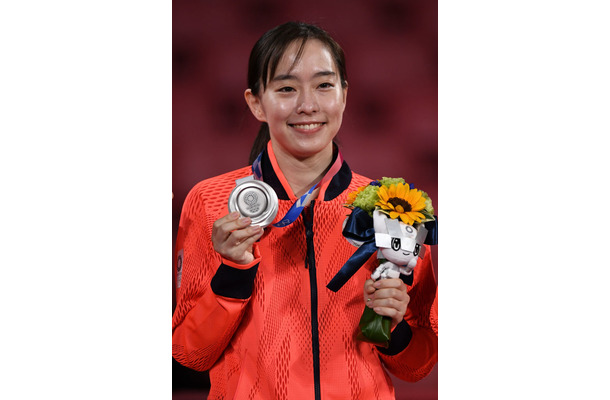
[254, 103]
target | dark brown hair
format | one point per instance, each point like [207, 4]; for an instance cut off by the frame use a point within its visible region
[266, 55]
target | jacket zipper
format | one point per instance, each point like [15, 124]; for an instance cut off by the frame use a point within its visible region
[310, 263]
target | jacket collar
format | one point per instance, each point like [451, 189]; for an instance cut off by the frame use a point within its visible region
[275, 178]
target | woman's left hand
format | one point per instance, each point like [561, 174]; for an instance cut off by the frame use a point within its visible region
[387, 297]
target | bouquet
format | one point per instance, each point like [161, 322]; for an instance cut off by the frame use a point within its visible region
[394, 219]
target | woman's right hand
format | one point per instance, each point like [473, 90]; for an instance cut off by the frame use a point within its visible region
[233, 237]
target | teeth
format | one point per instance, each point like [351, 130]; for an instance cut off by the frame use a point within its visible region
[307, 127]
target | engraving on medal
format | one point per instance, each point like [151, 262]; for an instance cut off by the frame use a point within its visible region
[254, 199]
[251, 200]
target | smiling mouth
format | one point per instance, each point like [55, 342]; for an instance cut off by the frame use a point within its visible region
[307, 127]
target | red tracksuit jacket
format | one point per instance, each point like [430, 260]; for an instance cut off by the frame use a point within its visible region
[271, 329]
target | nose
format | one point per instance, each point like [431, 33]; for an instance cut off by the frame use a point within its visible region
[307, 103]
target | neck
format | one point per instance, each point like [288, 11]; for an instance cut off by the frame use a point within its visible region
[303, 173]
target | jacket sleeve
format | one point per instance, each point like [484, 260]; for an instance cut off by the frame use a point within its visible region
[211, 293]
[413, 350]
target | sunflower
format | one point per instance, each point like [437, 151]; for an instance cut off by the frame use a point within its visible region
[399, 200]
[352, 196]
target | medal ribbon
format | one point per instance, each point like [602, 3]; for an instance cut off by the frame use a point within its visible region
[298, 205]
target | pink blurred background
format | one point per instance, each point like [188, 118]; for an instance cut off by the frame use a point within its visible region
[390, 123]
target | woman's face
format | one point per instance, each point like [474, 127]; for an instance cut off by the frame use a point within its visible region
[302, 105]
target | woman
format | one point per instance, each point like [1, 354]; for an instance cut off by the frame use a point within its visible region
[252, 303]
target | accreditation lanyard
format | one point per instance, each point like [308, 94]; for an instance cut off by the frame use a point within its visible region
[298, 205]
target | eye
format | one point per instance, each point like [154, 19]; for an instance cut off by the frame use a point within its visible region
[416, 251]
[395, 244]
[326, 85]
[286, 89]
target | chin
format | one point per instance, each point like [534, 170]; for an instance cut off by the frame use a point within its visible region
[313, 146]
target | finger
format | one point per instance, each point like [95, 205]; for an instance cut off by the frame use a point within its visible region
[399, 293]
[368, 291]
[389, 312]
[389, 303]
[241, 251]
[247, 237]
[389, 298]
[368, 302]
[389, 283]
[390, 308]
[391, 293]
[226, 218]
[368, 286]
[222, 225]
[239, 236]
[240, 223]
[223, 230]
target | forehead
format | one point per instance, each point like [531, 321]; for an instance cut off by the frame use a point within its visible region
[313, 57]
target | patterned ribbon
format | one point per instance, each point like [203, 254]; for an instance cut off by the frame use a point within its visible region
[298, 205]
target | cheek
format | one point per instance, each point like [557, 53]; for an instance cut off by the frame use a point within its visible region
[336, 105]
[278, 110]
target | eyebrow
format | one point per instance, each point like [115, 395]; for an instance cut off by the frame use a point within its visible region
[286, 77]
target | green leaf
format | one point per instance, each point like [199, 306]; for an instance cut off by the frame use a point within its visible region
[427, 215]
[374, 328]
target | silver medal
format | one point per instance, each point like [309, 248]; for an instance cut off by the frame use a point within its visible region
[254, 199]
